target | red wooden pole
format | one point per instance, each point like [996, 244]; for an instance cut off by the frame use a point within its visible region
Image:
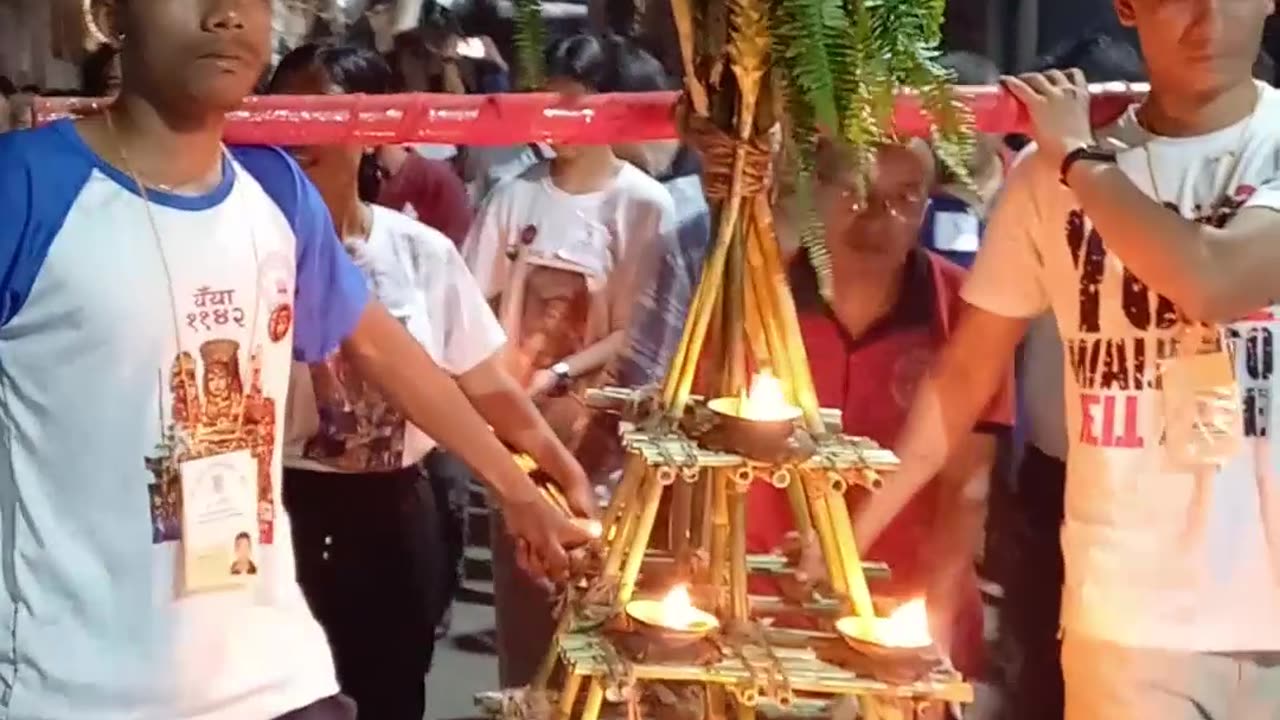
[535, 117]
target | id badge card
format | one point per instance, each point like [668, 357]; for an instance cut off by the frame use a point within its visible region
[1202, 410]
[219, 521]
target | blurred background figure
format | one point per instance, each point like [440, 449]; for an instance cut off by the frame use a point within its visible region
[957, 210]
[561, 250]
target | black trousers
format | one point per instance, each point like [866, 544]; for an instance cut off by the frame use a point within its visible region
[367, 561]
[1033, 577]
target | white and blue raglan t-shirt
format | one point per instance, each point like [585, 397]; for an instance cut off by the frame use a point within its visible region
[92, 623]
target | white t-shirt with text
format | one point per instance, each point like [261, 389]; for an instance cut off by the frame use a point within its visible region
[1156, 557]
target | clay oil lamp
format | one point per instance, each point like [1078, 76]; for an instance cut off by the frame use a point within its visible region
[758, 423]
[898, 646]
[673, 621]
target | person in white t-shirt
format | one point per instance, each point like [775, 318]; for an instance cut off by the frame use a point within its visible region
[560, 250]
[1134, 236]
[362, 530]
[155, 289]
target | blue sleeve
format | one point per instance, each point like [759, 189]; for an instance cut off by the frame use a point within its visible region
[330, 294]
[33, 209]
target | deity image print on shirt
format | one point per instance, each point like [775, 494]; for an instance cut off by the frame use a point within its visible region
[1114, 368]
[212, 412]
[360, 431]
[553, 319]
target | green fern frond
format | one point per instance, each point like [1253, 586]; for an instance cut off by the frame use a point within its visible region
[531, 43]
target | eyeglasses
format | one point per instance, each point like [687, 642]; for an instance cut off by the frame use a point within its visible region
[903, 205]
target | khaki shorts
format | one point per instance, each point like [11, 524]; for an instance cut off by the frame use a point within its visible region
[1111, 682]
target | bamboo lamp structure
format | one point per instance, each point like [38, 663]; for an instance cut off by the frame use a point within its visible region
[741, 320]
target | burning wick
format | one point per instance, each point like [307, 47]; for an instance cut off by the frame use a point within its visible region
[906, 627]
[766, 401]
[678, 611]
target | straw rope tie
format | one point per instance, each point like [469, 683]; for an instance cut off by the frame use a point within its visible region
[718, 151]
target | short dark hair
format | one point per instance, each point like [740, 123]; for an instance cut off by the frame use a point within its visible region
[606, 63]
[354, 69]
[1102, 58]
[30, 89]
[7, 87]
[243, 536]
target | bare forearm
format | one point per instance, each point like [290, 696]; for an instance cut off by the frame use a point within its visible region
[961, 514]
[944, 411]
[384, 353]
[514, 418]
[970, 371]
[596, 355]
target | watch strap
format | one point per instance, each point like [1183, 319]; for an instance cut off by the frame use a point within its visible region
[1089, 153]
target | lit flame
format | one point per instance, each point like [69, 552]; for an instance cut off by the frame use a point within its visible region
[906, 627]
[678, 611]
[766, 401]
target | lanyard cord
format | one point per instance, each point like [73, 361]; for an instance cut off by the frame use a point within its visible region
[164, 261]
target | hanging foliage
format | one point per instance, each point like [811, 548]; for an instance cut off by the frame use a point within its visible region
[843, 63]
[839, 65]
[531, 43]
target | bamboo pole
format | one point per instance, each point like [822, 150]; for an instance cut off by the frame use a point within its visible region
[762, 296]
[683, 16]
[632, 473]
[707, 484]
[684, 362]
[851, 560]
[595, 698]
[720, 534]
[747, 54]
[815, 495]
[734, 355]
[568, 696]
[652, 494]
[757, 336]
[625, 535]
[716, 702]
[806, 395]
[740, 606]
[680, 518]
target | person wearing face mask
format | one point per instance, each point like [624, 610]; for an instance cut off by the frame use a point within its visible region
[155, 289]
[893, 304]
[561, 250]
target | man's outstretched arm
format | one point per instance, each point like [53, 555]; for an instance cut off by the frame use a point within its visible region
[970, 371]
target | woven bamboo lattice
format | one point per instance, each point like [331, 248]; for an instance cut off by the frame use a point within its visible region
[835, 64]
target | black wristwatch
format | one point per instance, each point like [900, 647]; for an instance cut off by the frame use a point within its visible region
[1089, 153]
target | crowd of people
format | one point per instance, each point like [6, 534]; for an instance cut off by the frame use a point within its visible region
[293, 364]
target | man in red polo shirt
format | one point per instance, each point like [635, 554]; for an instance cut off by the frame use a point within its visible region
[892, 306]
